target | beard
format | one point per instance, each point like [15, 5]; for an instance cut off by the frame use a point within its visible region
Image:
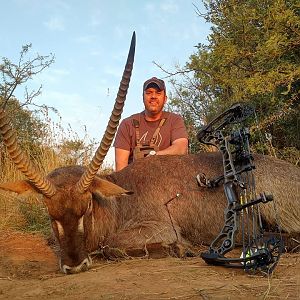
[154, 108]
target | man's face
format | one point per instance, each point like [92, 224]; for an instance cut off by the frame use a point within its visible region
[154, 100]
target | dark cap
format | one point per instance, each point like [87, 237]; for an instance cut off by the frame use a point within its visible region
[152, 82]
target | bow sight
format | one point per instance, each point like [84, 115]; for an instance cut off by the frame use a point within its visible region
[242, 215]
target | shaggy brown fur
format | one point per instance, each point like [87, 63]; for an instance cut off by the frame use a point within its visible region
[198, 212]
[138, 223]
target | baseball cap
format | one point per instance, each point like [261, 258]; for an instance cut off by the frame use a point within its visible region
[154, 81]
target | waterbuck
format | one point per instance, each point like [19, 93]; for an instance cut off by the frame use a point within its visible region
[131, 209]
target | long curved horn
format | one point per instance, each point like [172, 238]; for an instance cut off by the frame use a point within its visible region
[21, 160]
[113, 123]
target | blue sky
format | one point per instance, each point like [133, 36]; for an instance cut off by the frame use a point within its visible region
[90, 40]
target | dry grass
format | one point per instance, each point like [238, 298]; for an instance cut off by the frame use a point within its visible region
[10, 217]
[23, 214]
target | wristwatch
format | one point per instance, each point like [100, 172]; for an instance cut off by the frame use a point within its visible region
[152, 152]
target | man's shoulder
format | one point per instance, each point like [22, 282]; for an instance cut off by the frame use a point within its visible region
[128, 120]
[134, 116]
[171, 115]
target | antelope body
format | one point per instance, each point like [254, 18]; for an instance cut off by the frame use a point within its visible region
[89, 212]
[102, 217]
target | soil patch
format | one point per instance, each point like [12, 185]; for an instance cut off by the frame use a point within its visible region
[29, 270]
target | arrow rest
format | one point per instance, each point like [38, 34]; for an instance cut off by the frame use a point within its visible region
[242, 214]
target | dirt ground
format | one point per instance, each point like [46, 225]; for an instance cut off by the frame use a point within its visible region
[29, 270]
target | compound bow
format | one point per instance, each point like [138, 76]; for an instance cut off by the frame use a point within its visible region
[259, 252]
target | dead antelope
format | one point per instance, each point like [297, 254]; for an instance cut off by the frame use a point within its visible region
[90, 212]
[101, 218]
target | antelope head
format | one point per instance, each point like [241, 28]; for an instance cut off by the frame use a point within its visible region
[68, 192]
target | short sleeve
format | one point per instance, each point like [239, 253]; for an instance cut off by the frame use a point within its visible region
[122, 139]
[178, 128]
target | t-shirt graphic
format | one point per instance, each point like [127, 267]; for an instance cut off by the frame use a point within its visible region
[157, 140]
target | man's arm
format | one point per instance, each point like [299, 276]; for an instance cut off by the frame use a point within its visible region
[121, 158]
[178, 137]
[179, 146]
[122, 145]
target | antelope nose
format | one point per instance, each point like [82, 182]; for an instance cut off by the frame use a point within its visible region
[66, 269]
[83, 266]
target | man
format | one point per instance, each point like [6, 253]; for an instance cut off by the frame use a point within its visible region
[151, 132]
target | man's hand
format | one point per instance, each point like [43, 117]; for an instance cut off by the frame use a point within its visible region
[179, 146]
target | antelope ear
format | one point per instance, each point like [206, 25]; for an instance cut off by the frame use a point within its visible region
[19, 187]
[107, 188]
